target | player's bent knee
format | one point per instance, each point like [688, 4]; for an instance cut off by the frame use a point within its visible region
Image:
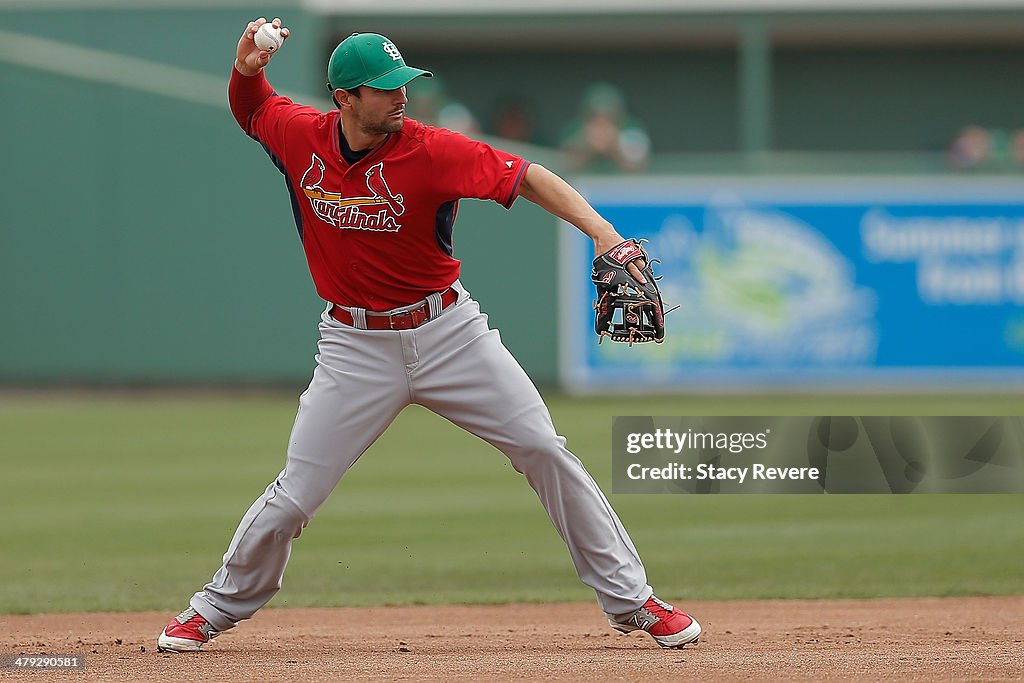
[282, 515]
[541, 453]
[306, 493]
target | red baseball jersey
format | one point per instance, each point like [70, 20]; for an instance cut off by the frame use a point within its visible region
[376, 233]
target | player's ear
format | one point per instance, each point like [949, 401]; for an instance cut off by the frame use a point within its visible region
[343, 98]
[340, 96]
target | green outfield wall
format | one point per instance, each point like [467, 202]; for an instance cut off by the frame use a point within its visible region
[144, 238]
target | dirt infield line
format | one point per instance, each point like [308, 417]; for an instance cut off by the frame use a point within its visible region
[907, 639]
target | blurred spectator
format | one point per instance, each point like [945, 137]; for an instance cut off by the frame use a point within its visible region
[999, 156]
[1017, 148]
[457, 116]
[425, 100]
[976, 148]
[430, 104]
[605, 137]
[514, 120]
[970, 149]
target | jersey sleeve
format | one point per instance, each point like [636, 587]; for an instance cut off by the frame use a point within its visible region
[262, 113]
[474, 170]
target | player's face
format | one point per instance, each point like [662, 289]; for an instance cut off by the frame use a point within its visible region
[380, 111]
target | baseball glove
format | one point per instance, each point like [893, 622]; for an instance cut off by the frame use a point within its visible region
[626, 309]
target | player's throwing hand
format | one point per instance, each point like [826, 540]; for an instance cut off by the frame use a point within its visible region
[249, 58]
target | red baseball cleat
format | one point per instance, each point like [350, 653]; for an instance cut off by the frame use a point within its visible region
[670, 628]
[187, 632]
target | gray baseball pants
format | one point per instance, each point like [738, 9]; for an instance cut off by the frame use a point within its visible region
[457, 367]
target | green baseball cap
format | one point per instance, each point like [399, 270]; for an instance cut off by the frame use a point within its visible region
[369, 59]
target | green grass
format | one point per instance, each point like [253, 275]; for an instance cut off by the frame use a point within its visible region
[122, 502]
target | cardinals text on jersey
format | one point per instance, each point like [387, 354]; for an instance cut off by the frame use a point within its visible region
[378, 211]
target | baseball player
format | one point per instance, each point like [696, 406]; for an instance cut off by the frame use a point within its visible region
[374, 197]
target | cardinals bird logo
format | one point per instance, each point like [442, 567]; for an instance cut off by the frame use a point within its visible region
[354, 212]
[379, 187]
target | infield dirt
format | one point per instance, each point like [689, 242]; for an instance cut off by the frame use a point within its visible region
[907, 639]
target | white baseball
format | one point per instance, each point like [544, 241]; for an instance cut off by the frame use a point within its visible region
[268, 38]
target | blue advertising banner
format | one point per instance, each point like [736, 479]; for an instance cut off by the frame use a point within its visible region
[857, 282]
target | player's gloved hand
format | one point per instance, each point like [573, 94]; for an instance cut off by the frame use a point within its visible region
[249, 59]
[628, 308]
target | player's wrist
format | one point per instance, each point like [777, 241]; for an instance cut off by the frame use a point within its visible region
[606, 237]
[245, 70]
